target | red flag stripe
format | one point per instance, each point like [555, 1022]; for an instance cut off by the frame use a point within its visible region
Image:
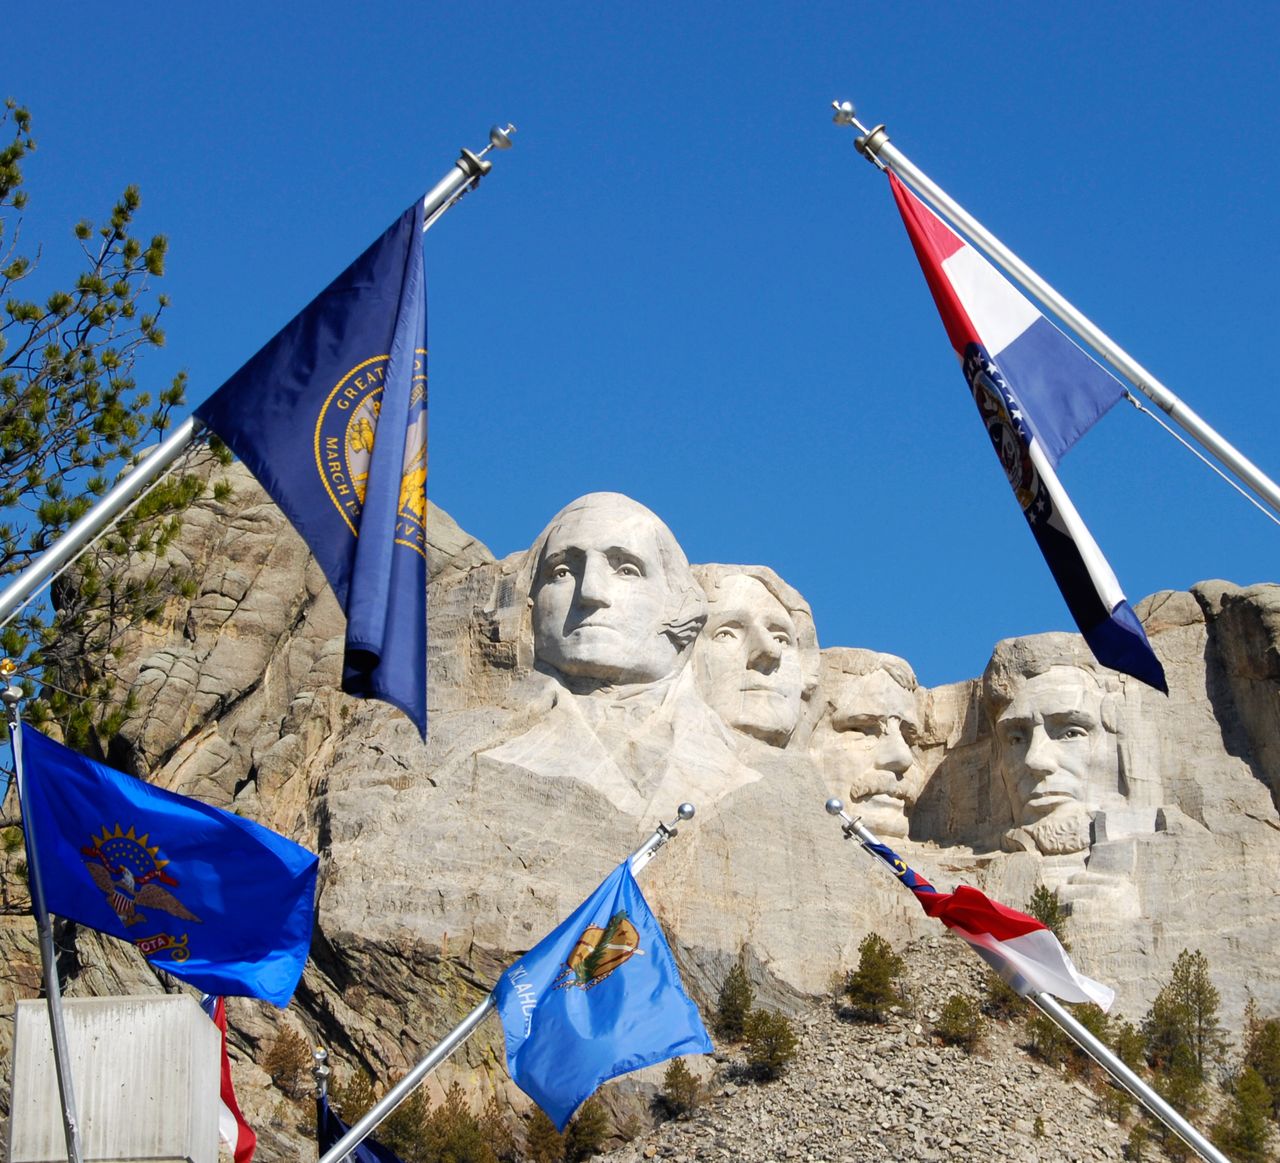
[934, 243]
[973, 911]
[245, 1141]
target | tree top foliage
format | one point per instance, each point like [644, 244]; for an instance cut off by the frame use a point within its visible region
[73, 419]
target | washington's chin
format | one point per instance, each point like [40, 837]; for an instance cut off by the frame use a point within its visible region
[606, 655]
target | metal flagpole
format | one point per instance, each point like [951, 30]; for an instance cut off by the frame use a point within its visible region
[463, 1030]
[1050, 1006]
[465, 176]
[11, 697]
[875, 146]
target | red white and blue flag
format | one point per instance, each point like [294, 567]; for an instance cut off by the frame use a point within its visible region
[1024, 952]
[1037, 393]
[232, 1129]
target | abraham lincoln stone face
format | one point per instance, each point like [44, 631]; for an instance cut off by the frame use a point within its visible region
[1058, 757]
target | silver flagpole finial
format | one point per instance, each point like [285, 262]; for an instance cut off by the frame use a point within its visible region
[851, 828]
[501, 138]
[845, 114]
[868, 141]
[320, 1071]
[642, 855]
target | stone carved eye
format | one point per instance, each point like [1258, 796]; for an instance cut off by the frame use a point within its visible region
[628, 569]
[861, 729]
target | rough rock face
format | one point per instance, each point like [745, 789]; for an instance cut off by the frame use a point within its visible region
[895, 1092]
[580, 691]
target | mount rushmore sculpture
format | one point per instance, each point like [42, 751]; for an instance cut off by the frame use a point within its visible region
[581, 689]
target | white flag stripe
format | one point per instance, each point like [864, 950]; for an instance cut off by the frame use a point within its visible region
[998, 311]
[1041, 961]
[1104, 578]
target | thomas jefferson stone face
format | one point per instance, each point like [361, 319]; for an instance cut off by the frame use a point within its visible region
[747, 660]
[874, 724]
[1058, 760]
[600, 594]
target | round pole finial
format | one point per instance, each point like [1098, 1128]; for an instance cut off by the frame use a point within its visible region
[845, 113]
[501, 138]
[834, 806]
[686, 811]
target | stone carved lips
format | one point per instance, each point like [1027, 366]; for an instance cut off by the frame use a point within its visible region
[1049, 793]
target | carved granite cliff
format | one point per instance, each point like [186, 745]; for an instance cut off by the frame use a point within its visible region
[581, 689]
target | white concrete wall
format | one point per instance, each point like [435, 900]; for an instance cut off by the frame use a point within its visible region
[146, 1077]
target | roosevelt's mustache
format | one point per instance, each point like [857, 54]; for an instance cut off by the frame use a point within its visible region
[886, 783]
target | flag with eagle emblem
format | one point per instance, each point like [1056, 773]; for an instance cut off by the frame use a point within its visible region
[217, 900]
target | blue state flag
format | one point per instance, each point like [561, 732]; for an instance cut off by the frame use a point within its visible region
[596, 998]
[1037, 393]
[329, 1131]
[331, 417]
[217, 900]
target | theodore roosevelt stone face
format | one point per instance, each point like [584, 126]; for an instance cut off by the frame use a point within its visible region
[873, 726]
[747, 659]
[612, 597]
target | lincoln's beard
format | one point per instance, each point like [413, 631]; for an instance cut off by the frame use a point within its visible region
[1061, 832]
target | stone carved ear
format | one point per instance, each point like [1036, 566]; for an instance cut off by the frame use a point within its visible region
[689, 615]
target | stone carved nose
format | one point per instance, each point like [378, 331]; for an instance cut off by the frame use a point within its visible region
[1041, 755]
[893, 754]
[593, 589]
[764, 651]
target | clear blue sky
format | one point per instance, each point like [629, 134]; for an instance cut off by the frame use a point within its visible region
[684, 284]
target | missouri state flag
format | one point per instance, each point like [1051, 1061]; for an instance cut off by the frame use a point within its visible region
[331, 417]
[214, 899]
[598, 997]
[1024, 952]
[1037, 393]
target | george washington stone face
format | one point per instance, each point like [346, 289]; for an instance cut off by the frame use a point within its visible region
[612, 597]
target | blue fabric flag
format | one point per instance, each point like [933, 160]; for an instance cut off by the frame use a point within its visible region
[217, 900]
[1037, 393]
[596, 998]
[330, 1128]
[303, 415]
